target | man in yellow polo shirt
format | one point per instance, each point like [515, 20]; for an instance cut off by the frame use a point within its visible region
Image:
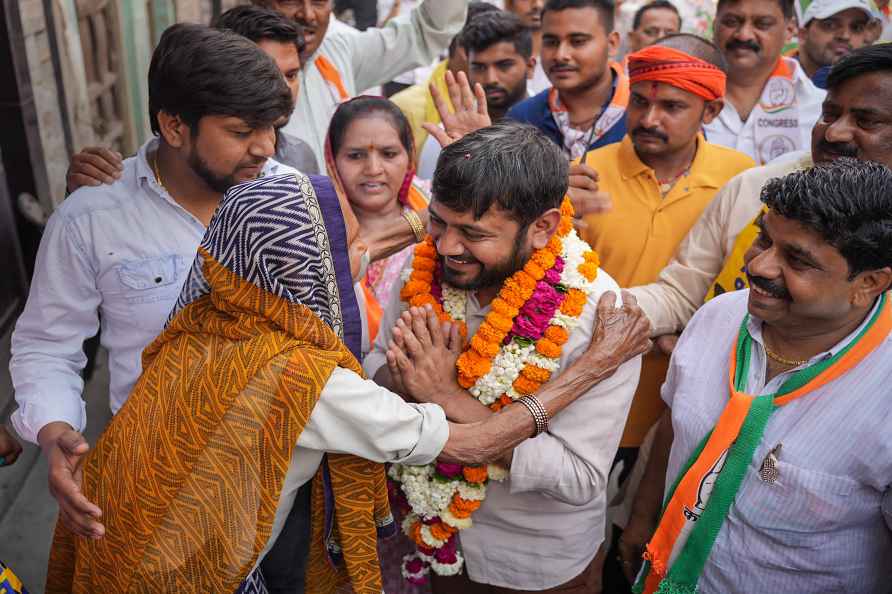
[660, 178]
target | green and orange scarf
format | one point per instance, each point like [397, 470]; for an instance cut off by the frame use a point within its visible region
[677, 553]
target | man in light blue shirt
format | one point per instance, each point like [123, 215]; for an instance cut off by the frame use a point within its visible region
[119, 253]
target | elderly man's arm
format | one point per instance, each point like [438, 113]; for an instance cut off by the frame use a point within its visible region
[359, 417]
[378, 55]
[619, 335]
[682, 285]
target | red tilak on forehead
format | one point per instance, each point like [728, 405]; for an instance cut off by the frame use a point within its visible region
[653, 90]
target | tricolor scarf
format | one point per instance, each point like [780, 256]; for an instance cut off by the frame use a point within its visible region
[576, 142]
[695, 512]
[409, 196]
[777, 115]
[189, 473]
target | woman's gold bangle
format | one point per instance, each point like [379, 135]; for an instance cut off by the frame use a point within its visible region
[415, 223]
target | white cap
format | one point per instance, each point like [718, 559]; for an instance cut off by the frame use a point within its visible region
[824, 9]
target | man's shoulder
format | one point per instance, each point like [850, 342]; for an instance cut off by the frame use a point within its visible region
[718, 314]
[756, 177]
[607, 155]
[730, 160]
[412, 99]
[274, 168]
[531, 109]
[294, 153]
[88, 200]
[604, 283]
[807, 92]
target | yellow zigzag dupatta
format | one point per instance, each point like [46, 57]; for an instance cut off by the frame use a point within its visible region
[674, 563]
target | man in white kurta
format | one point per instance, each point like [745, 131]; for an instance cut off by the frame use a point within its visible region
[770, 105]
[542, 526]
[366, 59]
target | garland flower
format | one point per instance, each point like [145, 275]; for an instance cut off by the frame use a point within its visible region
[516, 349]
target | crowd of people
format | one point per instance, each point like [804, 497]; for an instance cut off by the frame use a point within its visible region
[588, 310]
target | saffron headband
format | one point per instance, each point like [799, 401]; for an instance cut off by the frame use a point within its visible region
[681, 70]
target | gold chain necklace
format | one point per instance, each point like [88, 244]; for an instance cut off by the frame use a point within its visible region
[157, 173]
[789, 362]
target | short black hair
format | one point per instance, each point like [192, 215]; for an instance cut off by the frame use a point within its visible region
[604, 7]
[365, 106]
[865, 60]
[786, 6]
[655, 4]
[512, 165]
[197, 71]
[696, 46]
[475, 8]
[261, 24]
[491, 28]
[847, 202]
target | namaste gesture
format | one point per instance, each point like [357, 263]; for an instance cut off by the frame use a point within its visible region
[422, 355]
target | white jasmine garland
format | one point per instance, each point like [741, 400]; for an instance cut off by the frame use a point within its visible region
[496, 472]
[408, 522]
[460, 523]
[472, 491]
[454, 302]
[506, 366]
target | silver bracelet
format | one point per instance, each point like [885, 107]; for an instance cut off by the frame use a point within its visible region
[540, 415]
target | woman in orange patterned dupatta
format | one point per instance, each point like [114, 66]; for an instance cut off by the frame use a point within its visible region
[198, 471]
[370, 157]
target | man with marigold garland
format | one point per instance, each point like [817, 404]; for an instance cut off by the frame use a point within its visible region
[504, 261]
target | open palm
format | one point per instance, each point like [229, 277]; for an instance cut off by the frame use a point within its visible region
[470, 114]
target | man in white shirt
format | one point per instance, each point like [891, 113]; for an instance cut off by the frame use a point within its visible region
[540, 528]
[795, 497]
[337, 66]
[117, 254]
[770, 104]
[854, 124]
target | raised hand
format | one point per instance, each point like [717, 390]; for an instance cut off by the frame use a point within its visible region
[94, 166]
[423, 355]
[620, 333]
[470, 110]
[585, 194]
